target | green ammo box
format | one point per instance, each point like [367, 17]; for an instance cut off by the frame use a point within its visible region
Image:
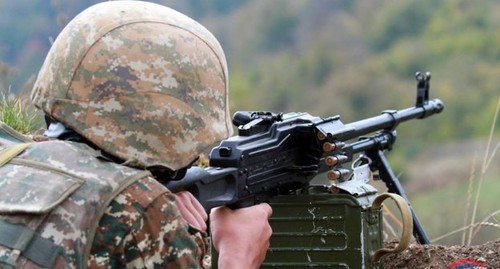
[320, 229]
[324, 230]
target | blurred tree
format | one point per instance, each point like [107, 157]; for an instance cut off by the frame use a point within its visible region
[326, 57]
[399, 20]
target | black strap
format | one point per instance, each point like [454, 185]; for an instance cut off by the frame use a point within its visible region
[39, 250]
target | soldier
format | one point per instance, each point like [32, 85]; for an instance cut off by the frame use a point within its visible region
[133, 92]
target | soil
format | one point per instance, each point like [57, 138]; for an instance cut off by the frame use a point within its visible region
[437, 256]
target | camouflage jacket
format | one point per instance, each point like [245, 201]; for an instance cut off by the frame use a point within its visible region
[63, 206]
[141, 231]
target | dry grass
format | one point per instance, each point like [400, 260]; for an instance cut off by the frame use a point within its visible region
[488, 156]
[444, 170]
[471, 224]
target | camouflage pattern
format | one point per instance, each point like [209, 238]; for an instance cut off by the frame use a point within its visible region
[105, 215]
[60, 189]
[141, 81]
[136, 232]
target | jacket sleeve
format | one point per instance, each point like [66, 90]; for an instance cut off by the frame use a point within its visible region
[143, 228]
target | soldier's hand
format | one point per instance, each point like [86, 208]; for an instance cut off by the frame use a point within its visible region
[241, 236]
[191, 210]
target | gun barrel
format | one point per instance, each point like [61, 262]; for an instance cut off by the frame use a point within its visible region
[390, 119]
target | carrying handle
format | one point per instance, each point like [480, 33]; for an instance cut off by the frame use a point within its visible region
[407, 224]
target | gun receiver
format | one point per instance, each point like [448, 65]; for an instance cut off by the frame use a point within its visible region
[280, 153]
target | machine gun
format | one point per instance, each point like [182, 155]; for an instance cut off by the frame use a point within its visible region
[276, 154]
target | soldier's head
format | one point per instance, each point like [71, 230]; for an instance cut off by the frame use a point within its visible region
[142, 82]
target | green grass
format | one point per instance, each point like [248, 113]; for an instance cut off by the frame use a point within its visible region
[19, 114]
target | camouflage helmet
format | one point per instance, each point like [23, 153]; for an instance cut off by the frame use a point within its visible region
[141, 81]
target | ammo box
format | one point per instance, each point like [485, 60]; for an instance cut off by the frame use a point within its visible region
[324, 230]
[320, 229]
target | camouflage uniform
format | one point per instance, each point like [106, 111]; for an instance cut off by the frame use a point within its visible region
[148, 86]
[60, 189]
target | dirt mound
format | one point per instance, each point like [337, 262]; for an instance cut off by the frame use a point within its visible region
[436, 256]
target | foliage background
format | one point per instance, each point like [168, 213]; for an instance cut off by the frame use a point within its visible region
[353, 58]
